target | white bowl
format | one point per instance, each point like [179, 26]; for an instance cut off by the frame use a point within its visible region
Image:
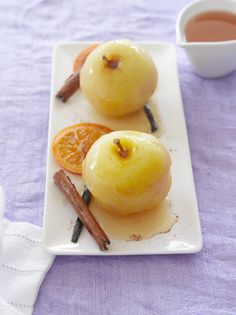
[209, 59]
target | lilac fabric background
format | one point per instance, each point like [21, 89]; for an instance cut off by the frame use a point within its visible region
[203, 283]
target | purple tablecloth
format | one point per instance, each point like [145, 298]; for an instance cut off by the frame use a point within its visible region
[203, 283]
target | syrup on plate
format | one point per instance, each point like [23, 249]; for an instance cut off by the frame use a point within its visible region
[135, 227]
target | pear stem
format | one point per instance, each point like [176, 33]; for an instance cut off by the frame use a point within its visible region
[111, 63]
[123, 152]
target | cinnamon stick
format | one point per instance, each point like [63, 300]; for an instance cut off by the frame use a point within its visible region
[70, 86]
[81, 209]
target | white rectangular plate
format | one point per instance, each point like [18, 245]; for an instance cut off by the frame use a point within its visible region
[59, 218]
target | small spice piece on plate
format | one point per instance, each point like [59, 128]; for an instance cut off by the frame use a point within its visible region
[78, 224]
[151, 119]
[77, 230]
[72, 84]
[81, 209]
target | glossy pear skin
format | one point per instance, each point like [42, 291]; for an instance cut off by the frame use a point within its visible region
[132, 184]
[126, 88]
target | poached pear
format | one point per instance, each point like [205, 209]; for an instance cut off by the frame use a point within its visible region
[118, 78]
[127, 172]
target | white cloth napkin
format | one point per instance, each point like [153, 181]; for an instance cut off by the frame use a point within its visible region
[23, 265]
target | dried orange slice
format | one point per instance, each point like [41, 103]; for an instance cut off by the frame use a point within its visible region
[80, 59]
[71, 144]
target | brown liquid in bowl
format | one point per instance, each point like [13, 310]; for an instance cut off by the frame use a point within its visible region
[211, 26]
